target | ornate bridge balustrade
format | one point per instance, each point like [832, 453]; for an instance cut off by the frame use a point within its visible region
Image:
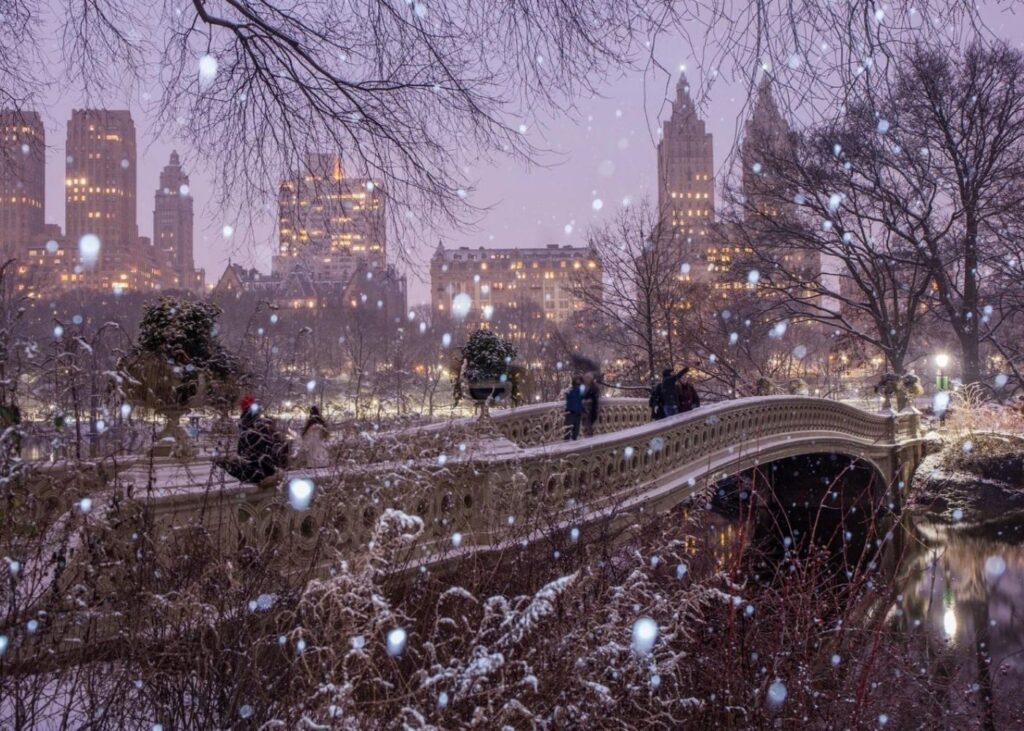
[528, 426]
[653, 466]
[548, 486]
[471, 502]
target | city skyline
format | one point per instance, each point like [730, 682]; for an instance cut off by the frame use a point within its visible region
[682, 121]
[608, 144]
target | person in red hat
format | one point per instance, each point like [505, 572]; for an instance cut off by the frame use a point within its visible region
[262, 448]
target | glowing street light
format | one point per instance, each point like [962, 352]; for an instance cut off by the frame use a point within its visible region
[941, 380]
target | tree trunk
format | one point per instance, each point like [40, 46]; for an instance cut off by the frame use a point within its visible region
[968, 330]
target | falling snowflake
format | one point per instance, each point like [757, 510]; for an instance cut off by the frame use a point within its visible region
[461, 305]
[207, 70]
[645, 632]
[777, 693]
[89, 249]
[300, 492]
[995, 566]
[396, 641]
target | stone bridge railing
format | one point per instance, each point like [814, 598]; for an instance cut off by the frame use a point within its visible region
[546, 491]
[548, 485]
[528, 426]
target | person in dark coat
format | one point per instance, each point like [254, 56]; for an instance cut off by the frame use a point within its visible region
[591, 404]
[689, 399]
[262, 449]
[313, 444]
[669, 392]
[573, 408]
[656, 402]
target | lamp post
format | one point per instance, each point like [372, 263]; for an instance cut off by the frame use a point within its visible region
[941, 381]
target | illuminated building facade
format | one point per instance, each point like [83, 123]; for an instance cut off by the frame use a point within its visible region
[686, 179]
[22, 180]
[173, 224]
[382, 289]
[328, 223]
[500, 281]
[100, 208]
[100, 183]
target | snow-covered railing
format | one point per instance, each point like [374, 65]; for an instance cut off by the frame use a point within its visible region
[480, 500]
[545, 423]
[484, 498]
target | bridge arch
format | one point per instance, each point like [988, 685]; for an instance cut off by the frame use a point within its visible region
[544, 484]
[653, 466]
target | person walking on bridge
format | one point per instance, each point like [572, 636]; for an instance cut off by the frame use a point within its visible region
[591, 404]
[689, 399]
[573, 408]
[670, 391]
[313, 447]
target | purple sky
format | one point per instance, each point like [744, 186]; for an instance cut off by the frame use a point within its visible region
[604, 151]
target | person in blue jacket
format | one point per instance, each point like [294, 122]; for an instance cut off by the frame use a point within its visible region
[573, 408]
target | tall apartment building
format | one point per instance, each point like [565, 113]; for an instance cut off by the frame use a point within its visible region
[100, 184]
[100, 194]
[766, 134]
[22, 180]
[509, 284]
[686, 178]
[328, 223]
[173, 224]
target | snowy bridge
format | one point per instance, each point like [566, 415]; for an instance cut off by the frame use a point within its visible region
[522, 483]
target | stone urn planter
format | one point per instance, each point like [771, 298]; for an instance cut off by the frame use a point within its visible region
[483, 369]
[172, 440]
[483, 391]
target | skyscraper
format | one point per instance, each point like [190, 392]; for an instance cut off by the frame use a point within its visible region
[22, 180]
[172, 222]
[329, 223]
[766, 139]
[765, 136]
[100, 185]
[686, 179]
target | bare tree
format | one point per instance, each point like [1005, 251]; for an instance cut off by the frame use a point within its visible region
[821, 244]
[959, 143]
[641, 292]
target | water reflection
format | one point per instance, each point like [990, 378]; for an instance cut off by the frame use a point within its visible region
[969, 590]
[959, 593]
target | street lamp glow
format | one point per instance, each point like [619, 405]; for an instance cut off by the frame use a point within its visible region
[942, 360]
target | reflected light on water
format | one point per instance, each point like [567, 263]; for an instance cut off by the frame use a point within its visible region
[949, 623]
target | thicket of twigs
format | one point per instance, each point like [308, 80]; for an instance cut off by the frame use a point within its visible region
[549, 636]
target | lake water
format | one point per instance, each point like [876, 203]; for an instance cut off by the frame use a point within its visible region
[969, 591]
